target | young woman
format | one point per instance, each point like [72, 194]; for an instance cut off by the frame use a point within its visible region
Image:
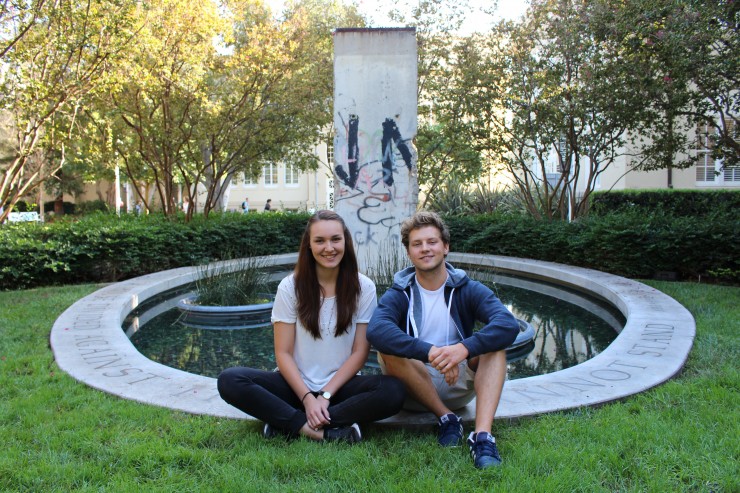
[319, 320]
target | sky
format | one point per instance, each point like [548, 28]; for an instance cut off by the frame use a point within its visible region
[477, 20]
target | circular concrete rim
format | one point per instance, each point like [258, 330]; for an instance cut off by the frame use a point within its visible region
[89, 344]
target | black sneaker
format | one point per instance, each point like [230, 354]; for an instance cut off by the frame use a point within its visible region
[450, 430]
[270, 432]
[349, 434]
[483, 450]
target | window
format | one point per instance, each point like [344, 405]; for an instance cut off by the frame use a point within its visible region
[710, 171]
[270, 174]
[330, 153]
[562, 154]
[732, 173]
[330, 150]
[242, 178]
[292, 174]
[705, 164]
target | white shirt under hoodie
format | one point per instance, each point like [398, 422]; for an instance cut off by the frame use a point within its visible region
[319, 359]
[437, 325]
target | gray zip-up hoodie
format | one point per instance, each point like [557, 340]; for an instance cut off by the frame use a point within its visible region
[393, 328]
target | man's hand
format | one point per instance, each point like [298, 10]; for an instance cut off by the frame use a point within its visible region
[445, 359]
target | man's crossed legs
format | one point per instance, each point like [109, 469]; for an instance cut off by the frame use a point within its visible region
[424, 386]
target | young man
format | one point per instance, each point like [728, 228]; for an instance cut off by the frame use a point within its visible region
[423, 330]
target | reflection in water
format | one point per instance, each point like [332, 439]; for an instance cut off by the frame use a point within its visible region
[566, 334]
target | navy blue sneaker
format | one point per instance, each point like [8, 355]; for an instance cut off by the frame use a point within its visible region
[483, 450]
[450, 432]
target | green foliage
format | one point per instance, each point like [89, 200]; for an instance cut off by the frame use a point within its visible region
[67, 207]
[104, 247]
[451, 198]
[55, 57]
[93, 206]
[521, 236]
[244, 283]
[454, 197]
[695, 203]
[686, 56]
[388, 263]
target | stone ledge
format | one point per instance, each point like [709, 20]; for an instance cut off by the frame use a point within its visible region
[89, 344]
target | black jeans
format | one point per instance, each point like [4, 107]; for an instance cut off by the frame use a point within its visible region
[267, 396]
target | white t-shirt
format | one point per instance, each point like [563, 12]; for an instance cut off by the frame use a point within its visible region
[437, 325]
[319, 359]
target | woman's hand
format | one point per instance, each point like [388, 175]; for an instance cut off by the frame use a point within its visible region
[317, 411]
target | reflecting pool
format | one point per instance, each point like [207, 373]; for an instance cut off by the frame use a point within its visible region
[570, 328]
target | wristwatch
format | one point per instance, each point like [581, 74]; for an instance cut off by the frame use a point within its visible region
[325, 394]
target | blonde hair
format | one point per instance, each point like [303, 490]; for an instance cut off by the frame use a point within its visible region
[421, 219]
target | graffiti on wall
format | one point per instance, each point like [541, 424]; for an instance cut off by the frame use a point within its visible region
[376, 185]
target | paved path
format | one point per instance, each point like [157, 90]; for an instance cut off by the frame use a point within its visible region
[89, 344]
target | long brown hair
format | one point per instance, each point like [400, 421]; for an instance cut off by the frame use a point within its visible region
[308, 290]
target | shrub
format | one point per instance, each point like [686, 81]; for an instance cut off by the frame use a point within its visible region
[92, 206]
[67, 207]
[104, 247]
[694, 203]
[631, 244]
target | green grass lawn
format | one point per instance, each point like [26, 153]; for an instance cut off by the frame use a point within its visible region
[60, 435]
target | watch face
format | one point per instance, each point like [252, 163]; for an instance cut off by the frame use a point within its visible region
[326, 395]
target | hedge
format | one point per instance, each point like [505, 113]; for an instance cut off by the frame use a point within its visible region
[630, 244]
[689, 203]
[106, 248]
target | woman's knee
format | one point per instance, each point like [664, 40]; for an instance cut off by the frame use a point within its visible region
[229, 381]
[394, 391]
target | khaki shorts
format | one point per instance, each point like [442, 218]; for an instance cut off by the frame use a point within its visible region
[454, 397]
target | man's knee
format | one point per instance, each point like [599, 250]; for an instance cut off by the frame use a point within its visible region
[488, 363]
[395, 365]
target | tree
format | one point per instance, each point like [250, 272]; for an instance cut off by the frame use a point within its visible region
[688, 52]
[552, 106]
[270, 95]
[197, 112]
[444, 139]
[54, 56]
[149, 118]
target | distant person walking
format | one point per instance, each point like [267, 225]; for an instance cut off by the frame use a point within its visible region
[268, 205]
[245, 205]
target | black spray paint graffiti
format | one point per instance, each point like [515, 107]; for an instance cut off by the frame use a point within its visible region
[353, 154]
[392, 134]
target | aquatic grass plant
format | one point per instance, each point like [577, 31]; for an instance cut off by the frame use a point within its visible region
[236, 283]
[60, 435]
[390, 259]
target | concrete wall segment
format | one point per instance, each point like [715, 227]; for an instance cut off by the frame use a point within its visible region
[375, 122]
